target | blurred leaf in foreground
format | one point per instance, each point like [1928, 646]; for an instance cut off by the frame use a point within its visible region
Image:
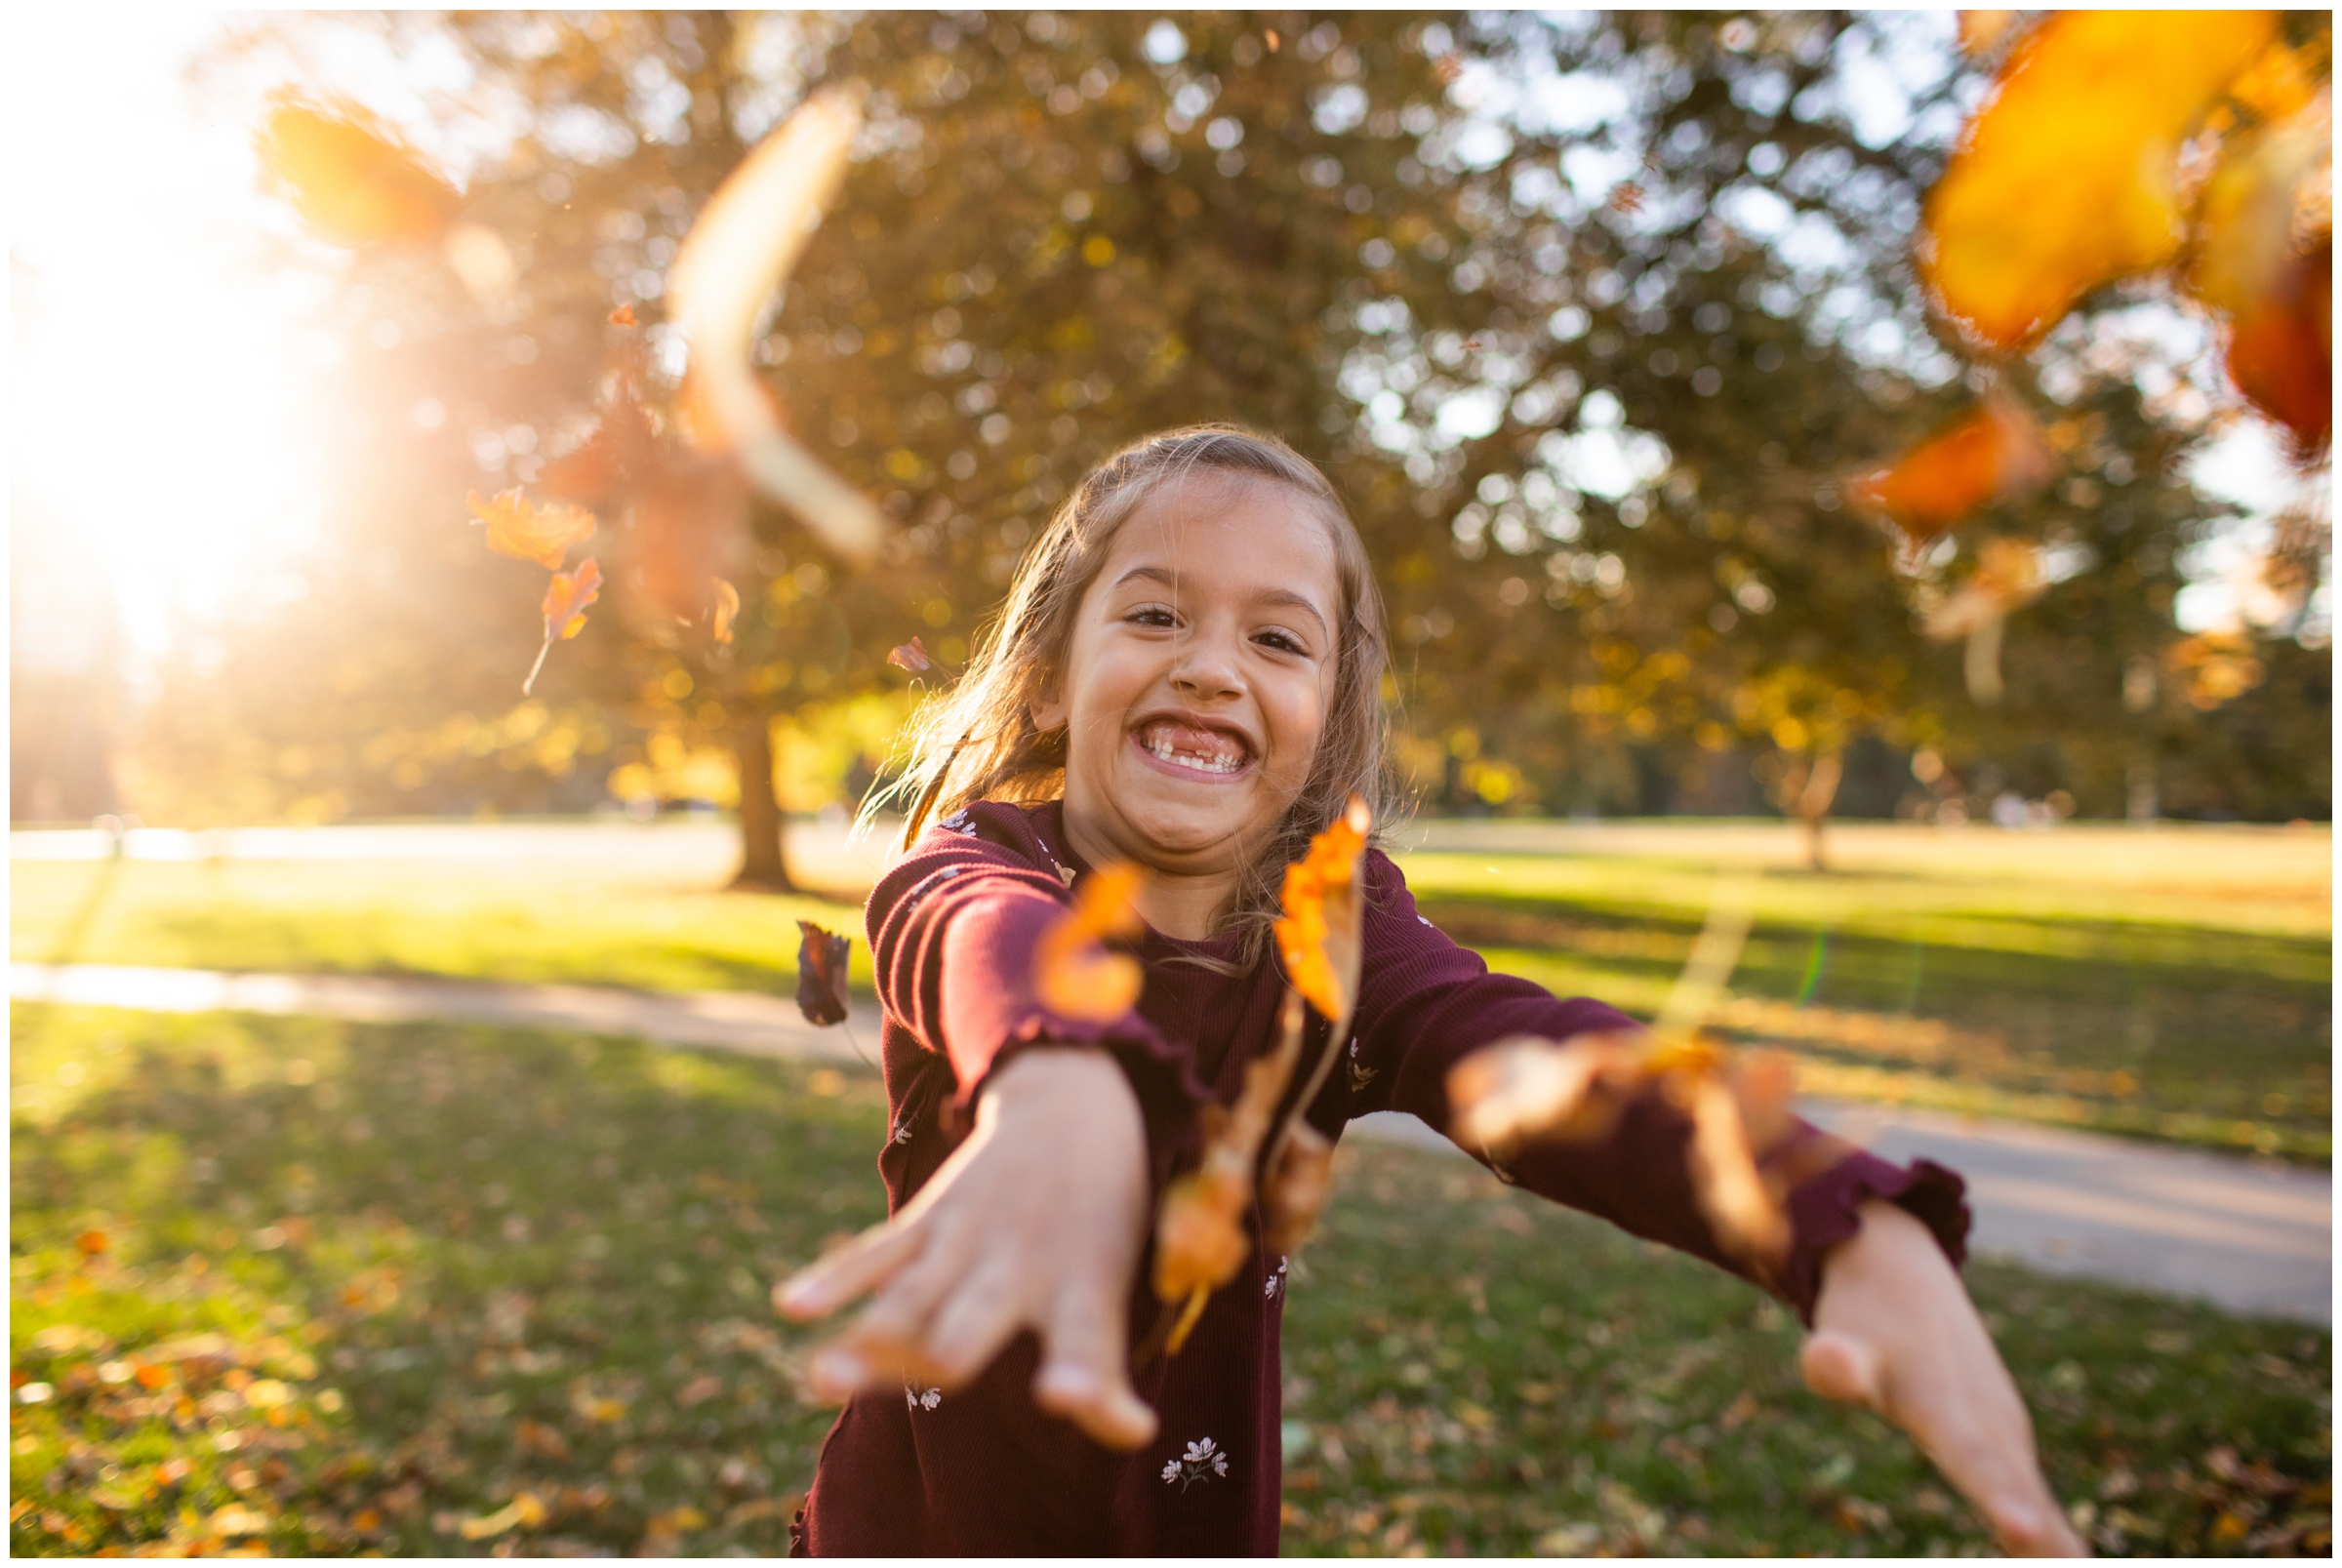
[2069, 179]
[519, 527]
[822, 974]
[352, 186]
[1073, 970]
[1994, 451]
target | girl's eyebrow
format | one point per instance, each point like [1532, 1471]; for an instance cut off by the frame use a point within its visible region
[1277, 596]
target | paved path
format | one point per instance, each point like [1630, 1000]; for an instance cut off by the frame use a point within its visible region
[2247, 1236]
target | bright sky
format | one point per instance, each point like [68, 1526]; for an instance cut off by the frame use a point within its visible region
[158, 439]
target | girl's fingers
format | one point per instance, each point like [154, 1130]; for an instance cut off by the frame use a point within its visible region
[971, 1326]
[1839, 1366]
[822, 1288]
[1084, 1374]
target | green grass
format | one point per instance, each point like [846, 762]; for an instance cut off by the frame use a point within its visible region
[331, 1288]
[2172, 985]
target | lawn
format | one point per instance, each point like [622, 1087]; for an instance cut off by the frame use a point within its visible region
[2171, 984]
[328, 1288]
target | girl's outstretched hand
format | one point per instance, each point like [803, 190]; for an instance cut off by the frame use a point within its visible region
[1035, 1221]
[1894, 1330]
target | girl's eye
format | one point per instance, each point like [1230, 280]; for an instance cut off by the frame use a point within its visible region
[1152, 614]
[1281, 642]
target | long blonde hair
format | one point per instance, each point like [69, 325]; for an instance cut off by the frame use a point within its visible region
[978, 740]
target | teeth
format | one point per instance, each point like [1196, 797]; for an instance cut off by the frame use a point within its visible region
[1199, 761]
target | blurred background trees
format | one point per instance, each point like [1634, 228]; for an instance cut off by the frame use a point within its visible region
[1595, 321]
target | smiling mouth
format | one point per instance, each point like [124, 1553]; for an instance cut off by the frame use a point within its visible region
[1192, 748]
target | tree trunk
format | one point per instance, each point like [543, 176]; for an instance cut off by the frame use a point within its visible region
[764, 868]
[1813, 805]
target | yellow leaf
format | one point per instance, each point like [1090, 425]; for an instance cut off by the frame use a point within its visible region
[349, 186]
[2263, 258]
[524, 1511]
[2068, 177]
[1073, 973]
[742, 248]
[519, 527]
[727, 609]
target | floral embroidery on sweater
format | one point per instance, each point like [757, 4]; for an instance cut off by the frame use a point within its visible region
[1201, 1463]
[919, 1399]
[1277, 1281]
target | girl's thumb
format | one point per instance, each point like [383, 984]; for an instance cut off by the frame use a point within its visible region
[1839, 1366]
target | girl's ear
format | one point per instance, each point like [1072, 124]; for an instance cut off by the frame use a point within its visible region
[1049, 712]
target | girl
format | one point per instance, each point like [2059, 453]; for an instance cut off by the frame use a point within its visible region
[1187, 676]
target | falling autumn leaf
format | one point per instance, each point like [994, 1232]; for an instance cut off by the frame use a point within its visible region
[518, 527]
[2007, 577]
[1269, 36]
[1200, 1238]
[1325, 912]
[1994, 451]
[1073, 973]
[822, 974]
[911, 655]
[1322, 941]
[2264, 259]
[1525, 1088]
[623, 316]
[352, 186]
[1296, 1187]
[1626, 198]
[1979, 30]
[565, 600]
[741, 249]
[2068, 179]
[90, 1243]
[727, 609]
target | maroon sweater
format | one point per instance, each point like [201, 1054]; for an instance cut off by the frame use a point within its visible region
[980, 1471]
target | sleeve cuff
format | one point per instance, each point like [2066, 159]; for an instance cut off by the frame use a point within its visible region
[1826, 1210]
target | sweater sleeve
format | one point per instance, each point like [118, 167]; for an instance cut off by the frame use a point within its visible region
[1425, 1003]
[952, 929]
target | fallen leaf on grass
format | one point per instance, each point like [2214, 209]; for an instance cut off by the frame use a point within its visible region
[822, 974]
[2068, 179]
[524, 1511]
[699, 1390]
[1073, 973]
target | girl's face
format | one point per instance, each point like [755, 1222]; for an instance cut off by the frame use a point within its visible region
[1198, 677]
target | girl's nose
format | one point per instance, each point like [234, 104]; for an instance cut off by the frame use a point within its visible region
[1204, 669]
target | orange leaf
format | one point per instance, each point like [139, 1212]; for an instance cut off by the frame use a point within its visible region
[623, 316]
[1199, 1240]
[1993, 452]
[1072, 972]
[2068, 177]
[1627, 198]
[1319, 936]
[566, 598]
[350, 186]
[517, 526]
[822, 974]
[911, 655]
[1295, 1191]
[1979, 30]
[90, 1243]
[2263, 259]
[727, 609]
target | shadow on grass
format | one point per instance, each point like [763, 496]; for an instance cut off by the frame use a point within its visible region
[522, 1261]
[438, 1291]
